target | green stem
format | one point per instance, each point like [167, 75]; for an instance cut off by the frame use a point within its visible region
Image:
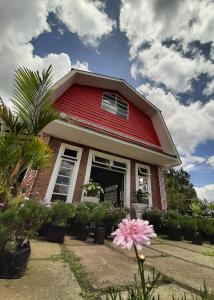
[141, 271]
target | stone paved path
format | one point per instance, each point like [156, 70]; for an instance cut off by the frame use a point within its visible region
[45, 278]
[107, 266]
[182, 261]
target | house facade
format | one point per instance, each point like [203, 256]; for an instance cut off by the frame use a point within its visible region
[108, 133]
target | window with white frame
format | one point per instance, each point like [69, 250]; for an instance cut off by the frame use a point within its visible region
[107, 163]
[65, 174]
[115, 104]
[144, 179]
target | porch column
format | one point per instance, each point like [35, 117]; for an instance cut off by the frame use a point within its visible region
[162, 188]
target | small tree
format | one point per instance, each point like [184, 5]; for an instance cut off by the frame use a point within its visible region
[20, 145]
[179, 189]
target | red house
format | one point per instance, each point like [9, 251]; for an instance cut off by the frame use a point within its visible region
[109, 133]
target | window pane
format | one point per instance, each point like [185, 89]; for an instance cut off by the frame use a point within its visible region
[65, 171]
[119, 164]
[109, 96]
[56, 197]
[67, 164]
[122, 113]
[61, 189]
[63, 180]
[70, 153]
[122, 105]
[102, 160]
[142, 171]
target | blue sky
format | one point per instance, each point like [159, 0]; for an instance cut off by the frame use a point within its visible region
[164, 48]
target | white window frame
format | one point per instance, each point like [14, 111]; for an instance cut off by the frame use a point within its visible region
[56, 170]
[137, 165]
[114, 112]
[116, 158]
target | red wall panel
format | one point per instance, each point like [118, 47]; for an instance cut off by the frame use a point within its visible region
[85, 102]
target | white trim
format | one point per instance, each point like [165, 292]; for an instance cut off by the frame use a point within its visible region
[117, 158]
[137, 165]
[54, 175]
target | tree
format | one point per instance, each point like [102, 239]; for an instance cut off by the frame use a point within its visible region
[21, 146]
[179, 189]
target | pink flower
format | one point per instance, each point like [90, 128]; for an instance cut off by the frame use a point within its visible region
[135, 231]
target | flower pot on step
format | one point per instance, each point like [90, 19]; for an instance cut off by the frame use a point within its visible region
[14, 264]
[139, 209]
[99, 235]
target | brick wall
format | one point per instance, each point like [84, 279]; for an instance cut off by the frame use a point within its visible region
[81, 175]
[43, 177]
[41, 182]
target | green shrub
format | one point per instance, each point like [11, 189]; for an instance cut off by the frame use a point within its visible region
[154, 217]
[24, 221]
[190, 226]
[99, 213]
[83, 212]
[60, 212]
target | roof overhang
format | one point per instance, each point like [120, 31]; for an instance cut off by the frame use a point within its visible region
[84, 136]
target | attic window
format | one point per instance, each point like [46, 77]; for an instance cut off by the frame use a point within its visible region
[115, 104]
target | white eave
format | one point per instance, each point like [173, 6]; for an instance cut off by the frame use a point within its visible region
[122, 87]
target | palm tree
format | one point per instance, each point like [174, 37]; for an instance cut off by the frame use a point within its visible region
[33, 109]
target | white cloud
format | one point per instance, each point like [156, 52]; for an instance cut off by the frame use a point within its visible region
[23, 20]
[156, 20]
[209, 89]
[167, 66]
[189, 125]
[86, 18]
[210, 161]
[191, 162]
[206, 192]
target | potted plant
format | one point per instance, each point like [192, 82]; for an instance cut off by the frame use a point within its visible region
[142, 199]
[98, 215]
[60, 212]
[82, 220]
[190, 227]
[17, 225]
[154, 215]
[208, 228]
[196, 238]
[174, 229]
[92, 191]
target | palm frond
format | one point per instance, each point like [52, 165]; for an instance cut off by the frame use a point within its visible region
[36, 153]
[32, 99]
[11, 121]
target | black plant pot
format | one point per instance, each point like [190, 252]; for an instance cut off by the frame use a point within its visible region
[176, 234]
[108, 229]
[43, 231]
[197, 239]
[56, 233]
[211, 239]
[188, 235]
[99, 235]
[82, 232]
[14, 264]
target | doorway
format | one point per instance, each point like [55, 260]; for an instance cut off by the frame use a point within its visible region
[113, 174]
[112, 183]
